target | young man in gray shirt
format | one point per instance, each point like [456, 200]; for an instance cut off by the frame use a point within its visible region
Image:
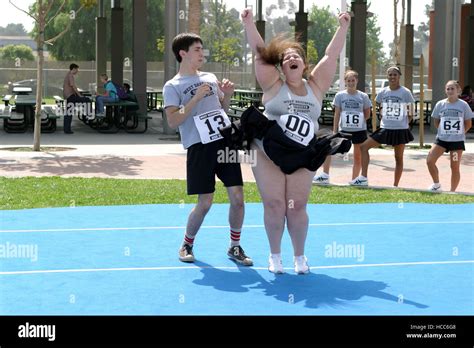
[196, 102]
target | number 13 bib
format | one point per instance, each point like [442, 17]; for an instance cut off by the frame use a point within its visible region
[209, 123]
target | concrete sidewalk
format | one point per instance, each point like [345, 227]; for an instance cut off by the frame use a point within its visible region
[156, 156]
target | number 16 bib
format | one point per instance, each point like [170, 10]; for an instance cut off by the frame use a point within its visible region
[209, 123]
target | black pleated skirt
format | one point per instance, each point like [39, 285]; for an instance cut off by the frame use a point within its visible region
[392, 136]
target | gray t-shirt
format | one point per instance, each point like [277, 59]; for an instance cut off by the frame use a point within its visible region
[394, 107]
[180, 89]
[452, 117]
[352, 110]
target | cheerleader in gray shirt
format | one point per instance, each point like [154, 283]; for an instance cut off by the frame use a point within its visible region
[396, 108]
[453, 118]
[352, 110]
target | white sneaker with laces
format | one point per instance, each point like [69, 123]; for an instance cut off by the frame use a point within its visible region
[435, 187]
[359, 181]
[275, 264]
[321, 179]
[301, 264]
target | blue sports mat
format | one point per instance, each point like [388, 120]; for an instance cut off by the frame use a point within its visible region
[366, 259]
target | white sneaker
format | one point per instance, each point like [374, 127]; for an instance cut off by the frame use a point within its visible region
[301, 264]
[275, 265]
[359, 181]
[435, 188]
[321, 179]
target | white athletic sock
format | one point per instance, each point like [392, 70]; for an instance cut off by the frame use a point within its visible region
[235, 236]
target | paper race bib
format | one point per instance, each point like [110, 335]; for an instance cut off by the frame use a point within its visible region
[451, 125]
[352, 119]
[297, 127]
[393, 111]
[209, 123]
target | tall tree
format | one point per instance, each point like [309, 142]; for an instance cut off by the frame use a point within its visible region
[324, 26]
[221, 32]
[194, 16]
[13, 30]
[396, 40]
[12, 52]
[422, 33]
[79, 44]
[43, 15]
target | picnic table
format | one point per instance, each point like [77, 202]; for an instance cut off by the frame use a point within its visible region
[117, 116]
[18, 114]
[154, 100]
[22, 90]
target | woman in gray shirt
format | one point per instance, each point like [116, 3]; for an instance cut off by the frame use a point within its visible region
[396, 108]
[453, 118]
[295, 104]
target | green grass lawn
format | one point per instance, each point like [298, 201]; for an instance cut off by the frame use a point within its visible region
[32, 192]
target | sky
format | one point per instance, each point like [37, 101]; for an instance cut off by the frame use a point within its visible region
[383, 9]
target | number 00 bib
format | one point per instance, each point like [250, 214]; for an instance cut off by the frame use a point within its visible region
[209, 123]
[297, 127]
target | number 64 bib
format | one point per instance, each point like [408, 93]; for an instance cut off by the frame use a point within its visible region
[209, 123]
[451, 125]
[297, 127]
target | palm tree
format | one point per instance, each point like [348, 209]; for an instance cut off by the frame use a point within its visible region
[194, 16]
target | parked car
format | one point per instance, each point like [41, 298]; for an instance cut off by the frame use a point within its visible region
[379, 84]
[426, 91]
[31, 83]
[335, 87]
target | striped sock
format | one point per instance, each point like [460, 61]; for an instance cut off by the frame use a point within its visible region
[235, 236]
[188, 240]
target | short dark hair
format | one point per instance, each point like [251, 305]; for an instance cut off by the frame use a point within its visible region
[73, 66]
[127, 86]
[182, 42]
[396, 68]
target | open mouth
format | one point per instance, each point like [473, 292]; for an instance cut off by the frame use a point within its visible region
[294, 66]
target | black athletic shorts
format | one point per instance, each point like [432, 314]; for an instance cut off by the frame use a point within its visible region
[205, 161]
[450, 145]
[358, 137]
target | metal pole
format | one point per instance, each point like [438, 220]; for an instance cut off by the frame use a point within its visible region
[421, 109]
[374, 105]
[342, 55]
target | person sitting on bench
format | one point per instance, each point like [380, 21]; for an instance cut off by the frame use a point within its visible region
[110, 95]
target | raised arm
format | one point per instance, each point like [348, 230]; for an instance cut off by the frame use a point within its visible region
[322, 75]
[267, 75]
